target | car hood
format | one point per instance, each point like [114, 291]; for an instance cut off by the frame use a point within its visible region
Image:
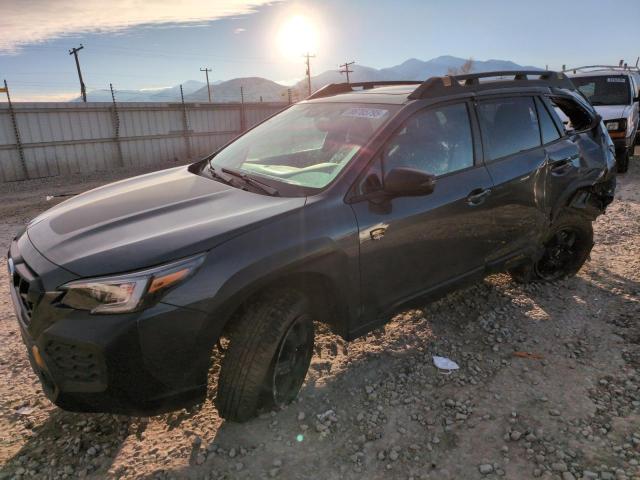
[612, 112]
[147, 220]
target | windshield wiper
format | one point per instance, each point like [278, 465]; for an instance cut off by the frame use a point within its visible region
[268, 189]
[214, 174]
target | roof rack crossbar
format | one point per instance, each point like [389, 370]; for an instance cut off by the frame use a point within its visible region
[337, 88]
[438, 86]
[621, 68]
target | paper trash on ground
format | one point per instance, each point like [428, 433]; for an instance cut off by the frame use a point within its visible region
[444, 363]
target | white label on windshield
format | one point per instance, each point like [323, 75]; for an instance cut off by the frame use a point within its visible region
[360, 112]
[617, 80]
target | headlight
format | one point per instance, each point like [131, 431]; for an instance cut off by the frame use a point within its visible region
[127, 293]
[616, 125]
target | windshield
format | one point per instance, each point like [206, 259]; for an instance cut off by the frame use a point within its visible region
[604, 89]
[307, 145]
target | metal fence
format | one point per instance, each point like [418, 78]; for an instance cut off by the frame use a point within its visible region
[49, 139]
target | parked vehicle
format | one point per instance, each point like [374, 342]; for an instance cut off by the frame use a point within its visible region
[615, 93]
[341, 209]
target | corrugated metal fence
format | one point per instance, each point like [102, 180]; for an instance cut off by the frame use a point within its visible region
[61, 138]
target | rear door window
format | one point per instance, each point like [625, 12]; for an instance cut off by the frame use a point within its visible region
[547, 125]
[509, 125]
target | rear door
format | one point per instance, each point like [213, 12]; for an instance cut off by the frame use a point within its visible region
[409, 245]
[516, 160]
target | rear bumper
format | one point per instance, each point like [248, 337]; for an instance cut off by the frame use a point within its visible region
[143, 363]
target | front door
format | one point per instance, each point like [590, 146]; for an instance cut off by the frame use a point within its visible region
[409, 245]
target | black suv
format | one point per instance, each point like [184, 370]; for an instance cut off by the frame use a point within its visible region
[340, 209]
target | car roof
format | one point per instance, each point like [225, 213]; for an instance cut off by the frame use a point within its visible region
[399, 95]
[394, 94]
[399, 92]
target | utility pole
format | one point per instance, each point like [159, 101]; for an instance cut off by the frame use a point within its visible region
[307, 56]
[206, 72]
[16, 131]
[346, 70]
[83, 90]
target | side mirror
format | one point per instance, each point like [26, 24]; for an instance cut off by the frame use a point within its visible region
[408, 182]
[636, 99]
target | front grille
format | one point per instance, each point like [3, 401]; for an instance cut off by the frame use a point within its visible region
[75, 362]
[26, 286]
[21, 287]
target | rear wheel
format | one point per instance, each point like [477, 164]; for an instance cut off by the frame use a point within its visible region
[268, 355]
[565, 249]
[623, 162]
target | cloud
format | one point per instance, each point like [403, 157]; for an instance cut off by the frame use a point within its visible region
[28, 22]
[43, 97]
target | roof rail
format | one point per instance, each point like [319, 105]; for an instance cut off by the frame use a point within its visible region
[622, 68]
[336, 88]
[438, 86]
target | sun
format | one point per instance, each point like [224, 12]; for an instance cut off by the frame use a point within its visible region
[296, 36]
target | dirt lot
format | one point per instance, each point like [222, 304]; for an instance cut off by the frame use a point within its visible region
[377, 408]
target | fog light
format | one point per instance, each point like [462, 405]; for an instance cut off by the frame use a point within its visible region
[37, 357]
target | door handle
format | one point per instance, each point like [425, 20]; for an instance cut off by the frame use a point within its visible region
[561, 167]
[478, 196]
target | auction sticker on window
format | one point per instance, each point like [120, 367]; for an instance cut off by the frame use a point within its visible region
[362, 112]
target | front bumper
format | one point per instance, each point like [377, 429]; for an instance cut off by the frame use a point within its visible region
[622, 144]
[140, 363]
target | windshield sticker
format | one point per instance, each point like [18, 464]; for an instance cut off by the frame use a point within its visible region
[617, 80]
[360, 112]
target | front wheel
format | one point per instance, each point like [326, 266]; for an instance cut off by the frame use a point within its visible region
[268, 355]
[565, 249]
[623, 162]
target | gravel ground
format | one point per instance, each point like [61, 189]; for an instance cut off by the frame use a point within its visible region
[377, 407]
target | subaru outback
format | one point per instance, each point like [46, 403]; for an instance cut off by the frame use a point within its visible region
[340, 210]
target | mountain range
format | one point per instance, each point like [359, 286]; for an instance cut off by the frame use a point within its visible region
[169, 94]
[256, 89]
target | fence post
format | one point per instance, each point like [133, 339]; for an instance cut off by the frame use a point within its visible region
[16, 132]
[185, 124]
[243, 125]
[116, 126]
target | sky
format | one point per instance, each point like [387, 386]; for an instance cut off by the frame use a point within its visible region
[149, 44]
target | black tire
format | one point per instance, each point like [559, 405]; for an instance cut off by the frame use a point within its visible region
[623, 162]
[566, 248]
[251, 377]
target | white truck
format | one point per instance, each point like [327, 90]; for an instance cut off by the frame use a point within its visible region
[614, 92]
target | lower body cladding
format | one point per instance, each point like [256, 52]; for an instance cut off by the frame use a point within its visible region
[137, 364]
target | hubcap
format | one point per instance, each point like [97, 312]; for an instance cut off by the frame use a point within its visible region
[292, 360]
[560, 255]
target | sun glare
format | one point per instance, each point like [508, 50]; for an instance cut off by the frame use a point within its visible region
[297, 36]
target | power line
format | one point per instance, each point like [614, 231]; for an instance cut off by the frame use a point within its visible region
[346, 70]
[83, 89]
[308, 57]
[206, 72]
